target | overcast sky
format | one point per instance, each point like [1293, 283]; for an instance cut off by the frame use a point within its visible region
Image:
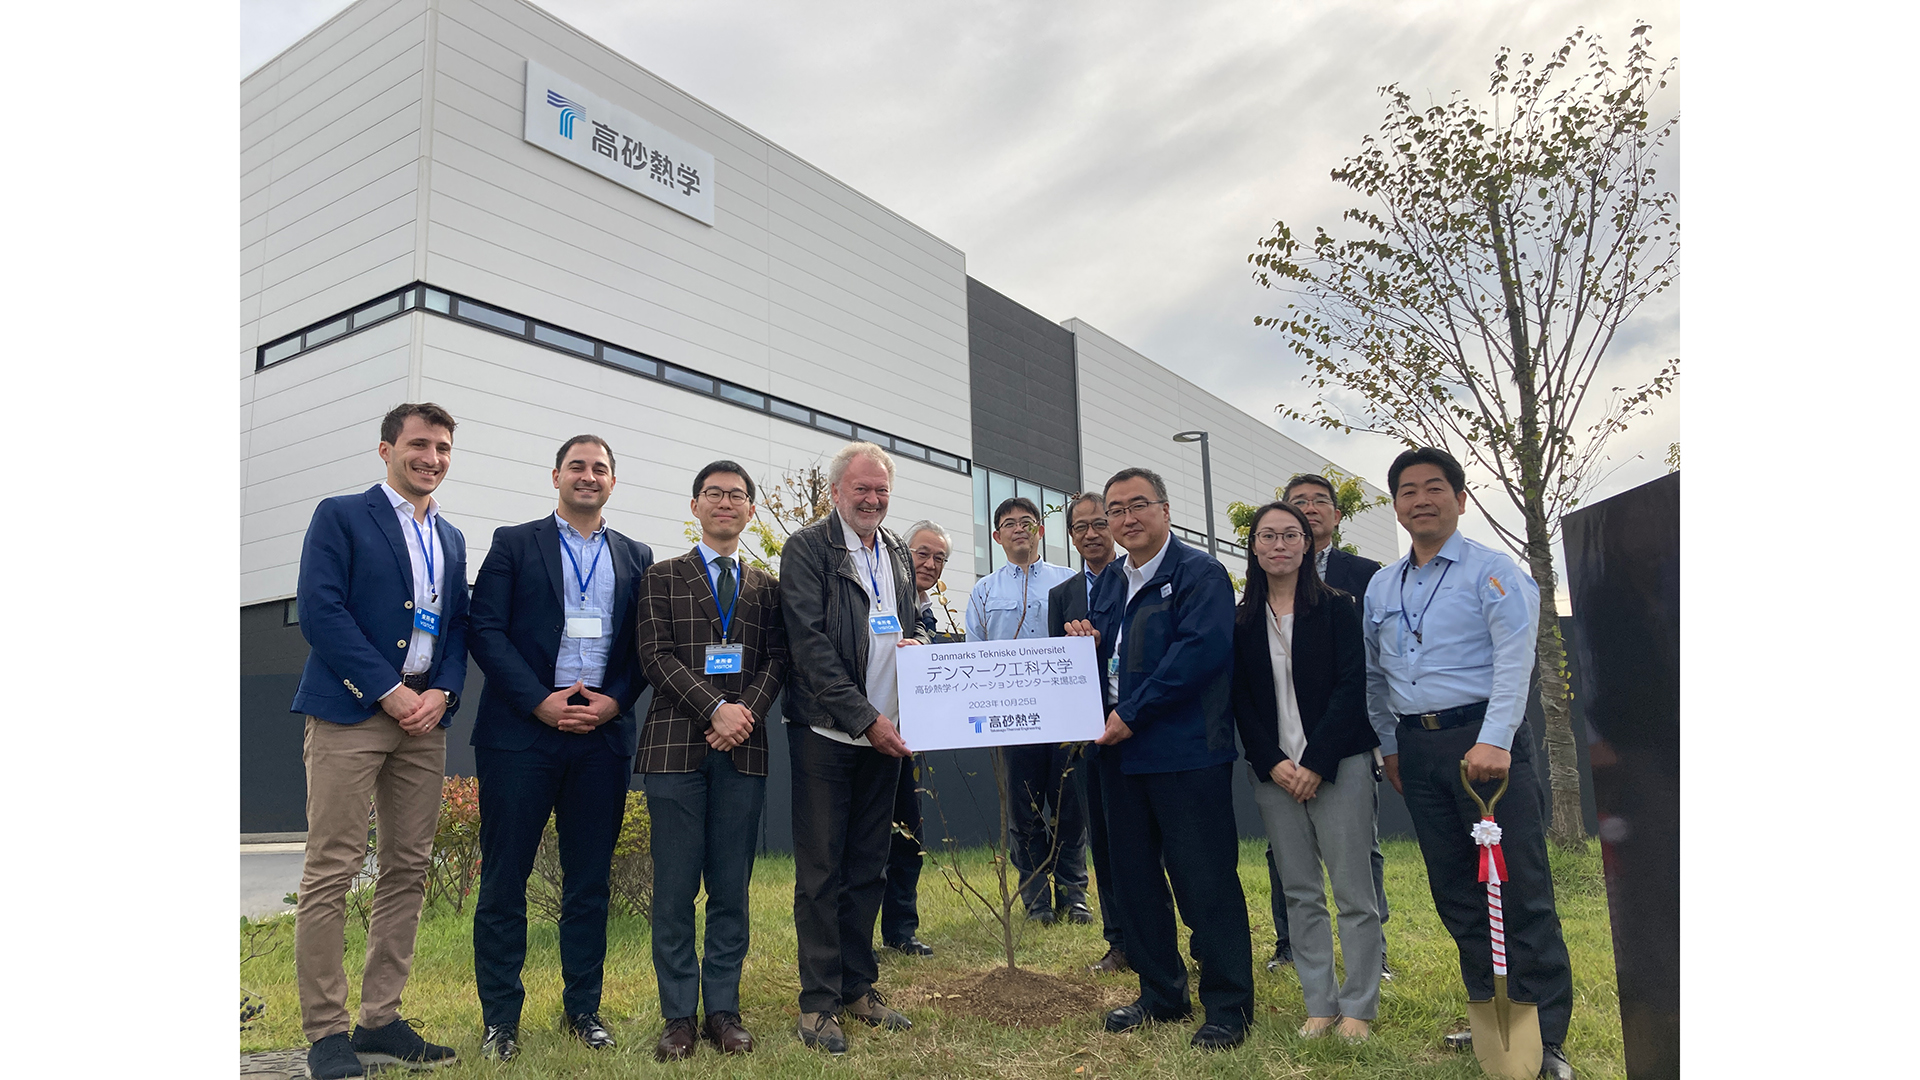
[1110, 160]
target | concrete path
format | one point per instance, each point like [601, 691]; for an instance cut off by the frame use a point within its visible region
[268, 872]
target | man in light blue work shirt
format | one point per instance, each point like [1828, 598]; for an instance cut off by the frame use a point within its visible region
[1011, 603]
[1450, 631]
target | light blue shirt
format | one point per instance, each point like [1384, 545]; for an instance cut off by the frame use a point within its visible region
[1476, 613]
[1012, 601]
[585, 659]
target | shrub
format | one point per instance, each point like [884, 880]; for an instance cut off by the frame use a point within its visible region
[632, 881]
[454, 872]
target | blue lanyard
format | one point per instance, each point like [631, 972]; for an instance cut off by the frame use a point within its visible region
[592, 567]
[1412, 628]
[873, 569]
[726, 617]
[426, 552]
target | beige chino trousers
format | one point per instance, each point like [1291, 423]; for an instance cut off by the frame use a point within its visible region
[351, 767]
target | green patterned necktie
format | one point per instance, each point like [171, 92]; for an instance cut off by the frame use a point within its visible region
[727, 585]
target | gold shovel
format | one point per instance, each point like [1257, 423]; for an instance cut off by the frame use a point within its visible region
[1506, 1033]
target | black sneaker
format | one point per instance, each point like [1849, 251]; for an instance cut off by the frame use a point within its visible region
[913, 946]
[1282, 957]
[399, 1044]
[1386, 971]
[588, 1028]
[332, 1058]
[502, 1043]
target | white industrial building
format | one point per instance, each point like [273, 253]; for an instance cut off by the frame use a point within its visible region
[420, 221]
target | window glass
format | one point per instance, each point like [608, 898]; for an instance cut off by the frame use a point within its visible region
[742, 396]
[499, 320]
[571, 342]
[1000, 488]
[1058, 552]
[944, 460]
[982, 561]
[789, 411]
[277, 353]
[874, 437]
[912, 450]
[833, 424]
[373, 313]
[628, 360]
[327, 332]
[437, 301]
[687, 379]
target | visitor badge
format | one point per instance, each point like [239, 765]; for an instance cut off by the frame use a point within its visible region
[426, 619]
[1166, 590]
[725, 659]
[884, 622]
[585, 623]
[1113, 664]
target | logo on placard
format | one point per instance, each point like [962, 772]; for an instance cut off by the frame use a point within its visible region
[568, 111]
[978, 722]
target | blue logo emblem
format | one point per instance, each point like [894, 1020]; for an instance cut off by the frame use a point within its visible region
[568, 110]
[977, 722]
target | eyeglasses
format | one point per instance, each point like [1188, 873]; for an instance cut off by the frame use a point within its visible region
[1311, 500]
[929, 555]
[1116, 513]
[1083, 527]
[735, 495]
[1025, 524]
[1290, 537]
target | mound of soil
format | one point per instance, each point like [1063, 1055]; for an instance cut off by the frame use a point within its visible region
[1021, 998]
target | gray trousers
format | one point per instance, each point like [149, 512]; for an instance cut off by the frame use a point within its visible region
[1336, 827]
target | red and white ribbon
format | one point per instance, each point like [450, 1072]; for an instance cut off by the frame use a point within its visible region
[1493, 870]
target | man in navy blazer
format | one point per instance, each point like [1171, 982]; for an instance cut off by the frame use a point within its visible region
[1163, 617]
[383, 604]
[555, 611]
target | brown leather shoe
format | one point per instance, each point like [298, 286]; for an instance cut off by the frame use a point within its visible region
[1114, 962]
[874, 1009]
[676, 1043]
[723, 1030]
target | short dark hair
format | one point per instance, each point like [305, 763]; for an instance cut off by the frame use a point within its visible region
[1426, 455]
[1083, 497]
[733, 467]
[1018, 502]
[1308, 589]
[560, 458]
[1136, 473]
[396, 419]
[1310, 478]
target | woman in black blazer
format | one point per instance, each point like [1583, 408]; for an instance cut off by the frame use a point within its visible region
[1299, 698]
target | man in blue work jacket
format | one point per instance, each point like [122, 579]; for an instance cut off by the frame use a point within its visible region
[1450, 631]
[1163, 621]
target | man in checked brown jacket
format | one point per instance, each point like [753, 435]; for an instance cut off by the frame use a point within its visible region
[714, 646]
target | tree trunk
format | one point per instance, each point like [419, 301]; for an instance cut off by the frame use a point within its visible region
[1568, 828]
[1003, 856]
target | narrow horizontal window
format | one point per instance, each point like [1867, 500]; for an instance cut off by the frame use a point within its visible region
[874, 437]
[279, 352]
[912, 450]
[742, 396]
[787, 410]
[499, 320]
[688, 379]
[833, 424]
[292, 615]
[327, 332]
[437, 301]
[373, 313]
[629, 360]
[947, 461]
[570, 342]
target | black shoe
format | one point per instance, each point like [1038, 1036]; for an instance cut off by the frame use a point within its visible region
[1218, 1037]
[1460, 1040]
[1111, 964]
[1386, 971]
[1553, 1063]
[332, 1058]
[588, 1029]
[1043, 916]
[1128, 1017]
[913, 946]
[399, 1044]
[1078, 912]
[1282, 957]
[502, 1043]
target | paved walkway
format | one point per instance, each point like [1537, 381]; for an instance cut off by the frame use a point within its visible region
[268, 872]
[274, 1065]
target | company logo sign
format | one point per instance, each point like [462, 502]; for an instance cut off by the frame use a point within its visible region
[624, 147]
[568, 112]
[978, 722]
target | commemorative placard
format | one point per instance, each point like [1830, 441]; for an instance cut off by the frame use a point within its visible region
[999, 693]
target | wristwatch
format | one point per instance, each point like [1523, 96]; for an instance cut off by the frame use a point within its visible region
[453, 699]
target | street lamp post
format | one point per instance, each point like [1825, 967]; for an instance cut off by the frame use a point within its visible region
[1206, 480]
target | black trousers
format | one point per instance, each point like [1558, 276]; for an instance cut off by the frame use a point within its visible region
[900, 909]
[1184, 822]
[1443, 819]
[842, 810]
[1280, 938]
[582, 783]
[1097, 845]
[1039, 776]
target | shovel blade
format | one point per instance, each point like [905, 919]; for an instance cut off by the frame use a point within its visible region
[1506, 1035]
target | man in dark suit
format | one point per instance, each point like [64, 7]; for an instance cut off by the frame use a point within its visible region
[1163, 619]
[1314, 496]
[554, 613]
[713, 644]
[383, 603]
[1067, 602]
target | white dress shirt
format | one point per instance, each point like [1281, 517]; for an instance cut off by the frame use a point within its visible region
[1136, 580]
[425, 589]
[874, 567]
[1293, 734]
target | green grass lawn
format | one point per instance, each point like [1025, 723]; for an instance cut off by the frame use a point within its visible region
[1416, 1008]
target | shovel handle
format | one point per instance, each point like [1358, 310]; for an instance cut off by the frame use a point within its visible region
[1485, 805]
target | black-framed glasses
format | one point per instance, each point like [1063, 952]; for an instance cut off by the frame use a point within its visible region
[1137, 507]
[718, 495]
[1025, 524]
[1289, 537]
[1087, 525]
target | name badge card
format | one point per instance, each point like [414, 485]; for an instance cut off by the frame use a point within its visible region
[884, 622]
[585, 623]
[426, 619]
[725, 659]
